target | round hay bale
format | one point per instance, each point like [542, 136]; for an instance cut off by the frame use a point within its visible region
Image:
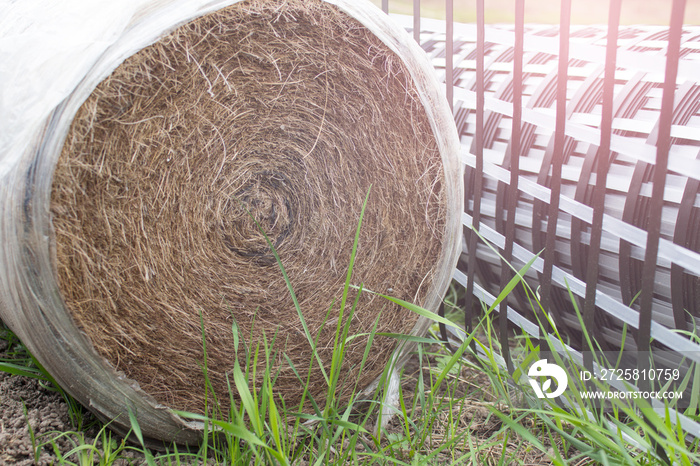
[137, 222]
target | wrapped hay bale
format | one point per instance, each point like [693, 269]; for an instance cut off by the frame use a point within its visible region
[131, 221]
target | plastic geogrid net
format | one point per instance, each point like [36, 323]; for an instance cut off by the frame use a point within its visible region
[627, 211]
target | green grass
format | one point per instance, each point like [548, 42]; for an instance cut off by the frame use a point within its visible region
[458, 407]
[428, 427]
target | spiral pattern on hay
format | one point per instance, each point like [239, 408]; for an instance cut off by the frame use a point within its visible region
[289, 111]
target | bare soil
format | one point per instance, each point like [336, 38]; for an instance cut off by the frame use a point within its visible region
[29, 413]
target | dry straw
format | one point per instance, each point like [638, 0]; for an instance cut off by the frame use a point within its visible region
[289, 110]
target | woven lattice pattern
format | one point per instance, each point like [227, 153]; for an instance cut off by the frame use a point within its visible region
[637, 105]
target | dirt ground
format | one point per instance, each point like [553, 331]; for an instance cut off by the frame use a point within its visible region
[25, 403]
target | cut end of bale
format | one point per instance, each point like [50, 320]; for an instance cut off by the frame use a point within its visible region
[285, 112]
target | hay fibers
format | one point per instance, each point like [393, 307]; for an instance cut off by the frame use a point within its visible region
[290, 111]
